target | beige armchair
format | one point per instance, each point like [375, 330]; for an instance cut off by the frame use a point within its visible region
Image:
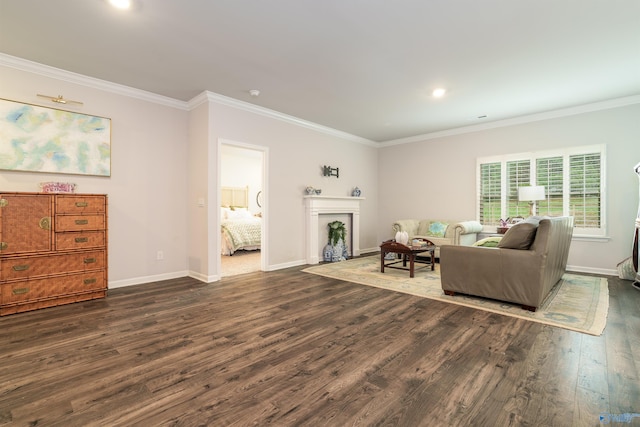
[524, 276]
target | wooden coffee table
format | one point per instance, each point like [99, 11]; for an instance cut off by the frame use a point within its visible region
[408, 253]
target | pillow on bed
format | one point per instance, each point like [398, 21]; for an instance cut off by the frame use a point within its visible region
[243, 213]
[223, 212]
[234, 214]
[239, 213]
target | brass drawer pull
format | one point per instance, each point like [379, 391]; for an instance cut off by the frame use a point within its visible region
[20, 291]
[82, 204]
[23, 267]
[82, 239]
[45, 223]
[82, 221]
[90, 281]
[90, 260]
[3, 245]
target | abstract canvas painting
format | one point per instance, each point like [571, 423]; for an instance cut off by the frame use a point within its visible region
[41, 139]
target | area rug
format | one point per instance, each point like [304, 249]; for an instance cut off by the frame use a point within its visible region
[578, 303]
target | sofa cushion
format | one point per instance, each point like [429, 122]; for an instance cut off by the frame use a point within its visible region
[423, 227]
[437, 229]
[520, 236]
[488, 242]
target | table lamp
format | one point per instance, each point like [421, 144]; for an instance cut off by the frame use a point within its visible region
[531, 194]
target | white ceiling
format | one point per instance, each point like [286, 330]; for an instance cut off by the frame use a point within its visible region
[365, 67]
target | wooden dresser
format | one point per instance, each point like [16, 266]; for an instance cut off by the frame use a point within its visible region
[53, 250]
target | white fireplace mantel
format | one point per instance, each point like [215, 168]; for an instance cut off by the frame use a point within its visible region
[325, 205]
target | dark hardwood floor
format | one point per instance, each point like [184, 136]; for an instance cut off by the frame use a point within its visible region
[288, 348]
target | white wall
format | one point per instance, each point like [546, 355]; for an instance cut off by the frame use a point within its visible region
[164, 159]
[296, 156]
[147, 187]
[436, 178]
[200, 251]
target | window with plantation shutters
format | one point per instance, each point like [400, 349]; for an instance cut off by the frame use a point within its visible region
[573, 179]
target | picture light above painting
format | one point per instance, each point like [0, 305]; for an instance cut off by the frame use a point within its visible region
[49, 140]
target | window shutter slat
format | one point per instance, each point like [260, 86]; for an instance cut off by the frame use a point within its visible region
[490, 193]
[549, 173]
[518, 175]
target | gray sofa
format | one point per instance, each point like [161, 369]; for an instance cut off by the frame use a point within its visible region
[457, 232]
[529, 260]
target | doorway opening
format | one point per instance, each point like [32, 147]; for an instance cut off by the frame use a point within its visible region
[243, 208]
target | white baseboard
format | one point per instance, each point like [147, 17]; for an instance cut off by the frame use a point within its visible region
[214, 278]
[369, 250]
[203, 278]
[146, 279]
[591, 270]
[275, 267]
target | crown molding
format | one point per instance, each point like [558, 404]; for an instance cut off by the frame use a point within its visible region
[208, 96]
[71, 77]
[547, 115]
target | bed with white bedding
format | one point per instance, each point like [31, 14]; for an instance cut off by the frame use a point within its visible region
[240, 229]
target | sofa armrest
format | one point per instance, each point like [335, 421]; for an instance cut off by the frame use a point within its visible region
[408, 225]
[466, 228]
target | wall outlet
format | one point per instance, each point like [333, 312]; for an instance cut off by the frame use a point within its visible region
[160, 255]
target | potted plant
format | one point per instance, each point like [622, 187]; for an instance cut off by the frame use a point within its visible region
[337, 231]
[336, 249]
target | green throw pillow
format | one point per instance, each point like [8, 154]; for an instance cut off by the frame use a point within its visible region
[489, 242]
[437, 229]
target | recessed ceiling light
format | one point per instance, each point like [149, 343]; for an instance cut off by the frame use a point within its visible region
[121, 4]
[439, 92]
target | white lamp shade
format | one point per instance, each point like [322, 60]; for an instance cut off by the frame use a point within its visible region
[531, 193]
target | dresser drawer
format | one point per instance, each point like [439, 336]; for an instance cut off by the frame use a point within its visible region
[80, 240]
[80, 204]
[27, 267]
[50, 288]
[79, 222]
